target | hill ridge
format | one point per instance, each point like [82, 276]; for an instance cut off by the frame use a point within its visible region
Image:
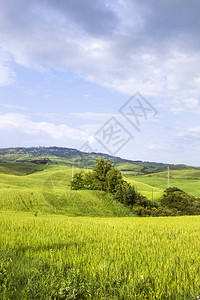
[26, 154]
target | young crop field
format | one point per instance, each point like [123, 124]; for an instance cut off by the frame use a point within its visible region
[57, 243]
[58, 257]
[49, 192]
[187, 180]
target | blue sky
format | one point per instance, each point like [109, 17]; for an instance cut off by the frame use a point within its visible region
[67, 67]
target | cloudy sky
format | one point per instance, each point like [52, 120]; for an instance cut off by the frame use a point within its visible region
[69, 69]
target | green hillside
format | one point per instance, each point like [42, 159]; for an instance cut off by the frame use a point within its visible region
[57, 243]
[187, 180]
[20, 168]
[17, 161]
[69, 156]
[145, 188]
[49, 192]
[46, 188]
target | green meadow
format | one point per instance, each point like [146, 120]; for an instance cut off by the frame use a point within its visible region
[56, 243]
[188, 180]
[48, 191]
[61, 257]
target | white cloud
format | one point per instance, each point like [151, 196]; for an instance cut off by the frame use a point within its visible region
[191, 103]
[194, 130]
[127, 46]
[7, 75]
[25, 125]
[12, 106]
[94, 116]
[155, 147]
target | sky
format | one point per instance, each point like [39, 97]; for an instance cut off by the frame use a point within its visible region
[113, 76]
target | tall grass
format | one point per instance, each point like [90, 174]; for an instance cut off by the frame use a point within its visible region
[57, 257]
[48, 253]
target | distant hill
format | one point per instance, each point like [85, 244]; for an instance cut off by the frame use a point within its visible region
[149, 178]
[69, 156]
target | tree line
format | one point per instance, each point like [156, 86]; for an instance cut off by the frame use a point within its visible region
[107, 178]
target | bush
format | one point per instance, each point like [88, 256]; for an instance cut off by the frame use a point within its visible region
[174, 198]
[155, 211]
[125, 193]
[105, 177]
[78, 182]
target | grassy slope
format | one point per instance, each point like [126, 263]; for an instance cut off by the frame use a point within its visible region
[182, 176]
[49, 191]
[187, 180]
[146, 189]
[17, 168]
[95, 258]
[67, 155]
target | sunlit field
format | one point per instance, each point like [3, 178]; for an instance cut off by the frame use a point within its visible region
[56, 243]
[58, 257]
[187, 180]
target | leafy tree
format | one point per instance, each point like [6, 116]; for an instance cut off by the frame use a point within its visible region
[113, 178]
[90, 181]
[144, 202]
[78, 182]
[105, 177]
[100, 171]
[125, 193]
[174, 198]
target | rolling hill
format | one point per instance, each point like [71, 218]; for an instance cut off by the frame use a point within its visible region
[68, 156]
[48, 191]
[46, 187]
[58, 243]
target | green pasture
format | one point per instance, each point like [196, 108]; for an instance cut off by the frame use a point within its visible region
[59, 257]
[187, 180]
[49, 192]
[56, 243]
[47, 188]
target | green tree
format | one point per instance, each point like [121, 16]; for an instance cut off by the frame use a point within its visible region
[100, 171]
[174, 198]
[113, 179]
[90, 182]
[125, 193]
[78, 182]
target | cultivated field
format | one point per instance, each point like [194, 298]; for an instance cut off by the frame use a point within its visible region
[61, 244]
[49, 191]
[187, 180]
[58, 257]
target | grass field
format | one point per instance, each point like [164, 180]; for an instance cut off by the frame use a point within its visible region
[49, 192]
[58, 257]
[56, 243]
[187, 180]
